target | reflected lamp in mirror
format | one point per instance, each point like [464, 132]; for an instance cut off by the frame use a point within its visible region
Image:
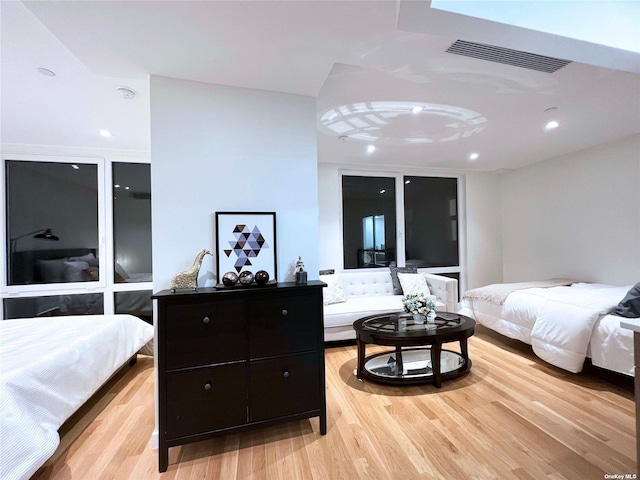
[42, 233]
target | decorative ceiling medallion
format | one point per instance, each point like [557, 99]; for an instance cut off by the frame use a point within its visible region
[401, 123]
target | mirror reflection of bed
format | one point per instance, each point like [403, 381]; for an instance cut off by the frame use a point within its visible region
[72, 265]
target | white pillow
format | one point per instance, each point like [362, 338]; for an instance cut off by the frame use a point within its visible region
[333, 292]
[413, 283]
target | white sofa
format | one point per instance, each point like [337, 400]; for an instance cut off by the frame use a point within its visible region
[370, 291]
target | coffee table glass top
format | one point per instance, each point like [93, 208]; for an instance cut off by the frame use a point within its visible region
[404, 323]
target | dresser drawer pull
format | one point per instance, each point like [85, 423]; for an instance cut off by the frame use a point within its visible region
[285, 374]
[206, 320]
[285, 313]
[207, 386]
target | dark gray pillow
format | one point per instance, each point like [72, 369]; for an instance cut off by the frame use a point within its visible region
[329, 271]
[51, 271]
[629, 306]
[397, 288]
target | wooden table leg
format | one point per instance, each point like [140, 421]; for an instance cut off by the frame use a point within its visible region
[399, 365]
[361, 352]
[464, 349]
[436, 351]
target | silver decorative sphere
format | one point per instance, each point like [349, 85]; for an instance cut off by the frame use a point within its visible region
[229, 279]
[245, 277]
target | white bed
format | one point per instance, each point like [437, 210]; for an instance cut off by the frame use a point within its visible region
[48, 368]
[564, 324]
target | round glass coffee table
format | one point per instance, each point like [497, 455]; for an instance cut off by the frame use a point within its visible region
[405, 365]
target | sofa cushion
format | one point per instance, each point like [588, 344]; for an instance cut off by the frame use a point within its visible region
[333, 292]
[397, 288]
[355, 308]
[413, 283]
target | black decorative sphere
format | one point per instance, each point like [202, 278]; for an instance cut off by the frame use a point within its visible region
[245, 277]
[229, 279]
[262, 277]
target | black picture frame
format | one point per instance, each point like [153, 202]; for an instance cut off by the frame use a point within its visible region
[246, 241]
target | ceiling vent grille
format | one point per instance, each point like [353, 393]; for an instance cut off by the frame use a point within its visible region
[507, 56]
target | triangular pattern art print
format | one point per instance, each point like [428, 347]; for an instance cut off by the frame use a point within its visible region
[247, 244]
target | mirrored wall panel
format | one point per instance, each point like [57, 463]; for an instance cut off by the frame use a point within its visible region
[431, 221]
[369, 221]
[132, 222]
[54, 305]
[136, 303]
[52, 222]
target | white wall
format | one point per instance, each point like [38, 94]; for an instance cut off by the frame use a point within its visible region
[575, 216]
[484, 229]
[218, 148]
[330, 218]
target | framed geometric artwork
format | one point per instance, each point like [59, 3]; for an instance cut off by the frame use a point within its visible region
[246, 241]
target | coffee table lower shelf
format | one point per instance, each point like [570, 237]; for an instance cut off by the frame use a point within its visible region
[413, 366]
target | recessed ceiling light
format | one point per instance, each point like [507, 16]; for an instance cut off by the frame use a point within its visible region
[117, 185]
[382, 191]
[407, 182]
[75, 167]
[473, 156]
[46, 72]
[416, 109]
[105, 133]
[551, 125]
[371, 148]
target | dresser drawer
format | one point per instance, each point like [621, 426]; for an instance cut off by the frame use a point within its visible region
[283, 386]
[204, 399]
[205, 333]
[284, 325]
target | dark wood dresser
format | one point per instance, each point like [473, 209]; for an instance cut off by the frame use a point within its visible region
[238, 358]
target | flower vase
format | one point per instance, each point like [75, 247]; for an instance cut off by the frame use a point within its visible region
[418, 318]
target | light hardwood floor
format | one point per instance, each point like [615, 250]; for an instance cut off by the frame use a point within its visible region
[512, 416]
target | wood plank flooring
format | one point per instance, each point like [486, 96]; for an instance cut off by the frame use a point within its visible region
[512, 416]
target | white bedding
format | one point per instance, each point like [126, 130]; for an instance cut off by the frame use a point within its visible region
[48, 368]
[563, 324]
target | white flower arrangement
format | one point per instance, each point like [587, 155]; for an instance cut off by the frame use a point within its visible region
[418, 303]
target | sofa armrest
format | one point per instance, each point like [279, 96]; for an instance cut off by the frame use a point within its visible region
[445, 289]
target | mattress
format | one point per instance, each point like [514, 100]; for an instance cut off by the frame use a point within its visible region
[564, 324]
[48, 368]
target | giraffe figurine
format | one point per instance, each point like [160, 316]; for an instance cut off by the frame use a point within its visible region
[189, 278]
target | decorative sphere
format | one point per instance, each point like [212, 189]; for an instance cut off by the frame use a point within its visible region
[262, 277]
[229, 279]
[245, 277]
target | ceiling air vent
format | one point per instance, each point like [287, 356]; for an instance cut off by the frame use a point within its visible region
[516, 58]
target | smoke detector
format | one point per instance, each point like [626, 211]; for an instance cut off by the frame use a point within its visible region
[343, 138]
[126, 93]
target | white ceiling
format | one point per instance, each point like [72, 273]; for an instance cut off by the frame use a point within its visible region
[366, 62]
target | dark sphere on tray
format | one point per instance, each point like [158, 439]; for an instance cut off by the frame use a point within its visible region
[262, 277]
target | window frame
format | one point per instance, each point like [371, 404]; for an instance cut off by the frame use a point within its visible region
[460, 269]
[106, 284]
